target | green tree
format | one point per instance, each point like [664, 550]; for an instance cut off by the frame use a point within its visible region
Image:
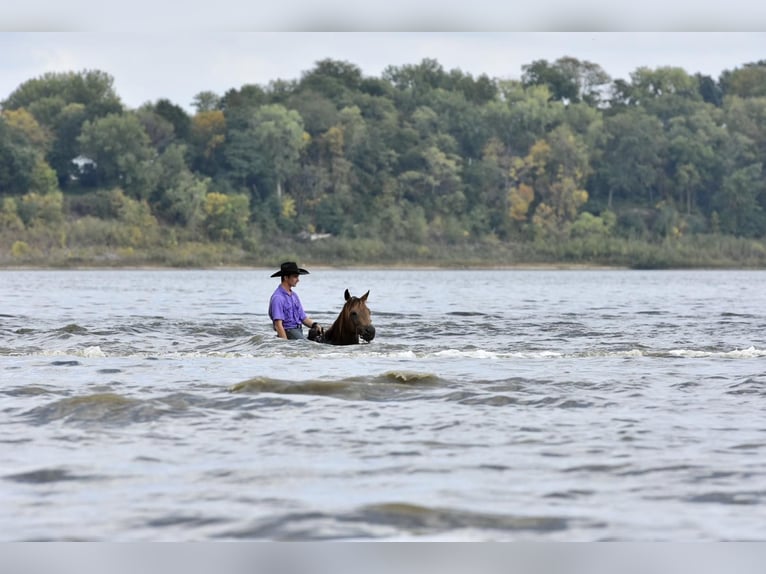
[549, 182]
[632, 155]
[694, 161]
[317, 111]
[122, 152]
[206, 101]
[438, 186]
[176, 115]
[333, 79]
[665, 92]
[265, 147]
[749, 81]
[247, 96]
[523, 115]
[38, 210]
[207, 138]
[738, 207]
[160, 131]
[9, 216]
[92, 88]
[747, 116]
[17, 160]
[180, 194]
[710, 90]
[23, 146]
[226, 216]
[61, 102]
[568, 79]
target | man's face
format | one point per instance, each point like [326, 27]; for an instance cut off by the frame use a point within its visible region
[292, 280]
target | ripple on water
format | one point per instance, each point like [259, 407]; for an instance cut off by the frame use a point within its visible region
[48, 475]
[397, 520]
[388, 386]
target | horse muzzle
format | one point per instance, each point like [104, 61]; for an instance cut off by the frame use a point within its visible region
[367, 333]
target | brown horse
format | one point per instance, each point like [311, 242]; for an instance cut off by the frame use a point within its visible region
[352, 323]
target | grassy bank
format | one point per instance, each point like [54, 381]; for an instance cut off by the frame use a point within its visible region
[700, 251]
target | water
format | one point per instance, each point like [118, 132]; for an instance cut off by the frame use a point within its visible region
[492, 405]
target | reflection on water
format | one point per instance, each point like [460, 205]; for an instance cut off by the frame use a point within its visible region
[492, 405]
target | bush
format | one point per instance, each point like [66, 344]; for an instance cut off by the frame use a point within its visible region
[45, 210]
[226, 216]
[20, 250]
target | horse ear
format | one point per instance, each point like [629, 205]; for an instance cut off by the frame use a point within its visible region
[364, 297]
[347, 295]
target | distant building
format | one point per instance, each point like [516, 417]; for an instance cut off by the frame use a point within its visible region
[306, 236]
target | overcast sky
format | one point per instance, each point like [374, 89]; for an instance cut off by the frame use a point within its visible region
[153, 52]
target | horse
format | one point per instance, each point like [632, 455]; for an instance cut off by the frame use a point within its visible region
[352, 323]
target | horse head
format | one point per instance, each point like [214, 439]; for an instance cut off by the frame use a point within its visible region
[357, 316]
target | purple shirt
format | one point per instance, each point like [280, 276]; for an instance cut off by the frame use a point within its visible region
[287, 307]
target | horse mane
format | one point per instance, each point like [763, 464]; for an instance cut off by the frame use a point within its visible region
[342, 329]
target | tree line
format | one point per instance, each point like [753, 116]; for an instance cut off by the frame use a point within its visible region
[418, 156]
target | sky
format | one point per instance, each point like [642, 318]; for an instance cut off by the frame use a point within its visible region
[154, 52]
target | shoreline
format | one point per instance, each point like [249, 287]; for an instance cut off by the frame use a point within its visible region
[380, 267]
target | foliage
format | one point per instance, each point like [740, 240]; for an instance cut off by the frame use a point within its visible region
[41, 210]
[225, 216]
[122, 152]
[420, 164]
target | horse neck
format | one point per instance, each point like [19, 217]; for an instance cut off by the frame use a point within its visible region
[342, 330]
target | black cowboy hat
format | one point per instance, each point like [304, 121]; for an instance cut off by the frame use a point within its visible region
[289, 268]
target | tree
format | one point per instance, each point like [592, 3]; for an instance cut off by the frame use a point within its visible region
[43, 210]
[632, 156]
[122, 153]
[549, 182]
[437, 186]
[23, 146]
[568, 79]
[737, 205]
[180, 194]
[333, 79]
[92, 88]
[747, 116]
[249, 95]
[462, 120]
[207, 137]
[266, 146]
[523, 116]
[61, 102]
[710, 91]
[413, 84]
[28, 131]
[694, 161]
[160, 131]
[176, 115]
[663, 81]
[420, 78]
[665, 92]
[206, 101]
[489, 178]
[226, 216]
[317, 111]
[749, 81]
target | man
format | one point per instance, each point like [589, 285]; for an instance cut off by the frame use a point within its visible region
[285, 309]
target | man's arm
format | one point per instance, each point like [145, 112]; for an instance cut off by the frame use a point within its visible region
[309, 322]
[280, 328]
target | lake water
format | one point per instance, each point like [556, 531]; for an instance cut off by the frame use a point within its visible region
[527, 405]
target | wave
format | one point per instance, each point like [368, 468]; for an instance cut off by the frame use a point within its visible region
[402, 521]
[749, 353]
[386, 386]
[269, 351]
